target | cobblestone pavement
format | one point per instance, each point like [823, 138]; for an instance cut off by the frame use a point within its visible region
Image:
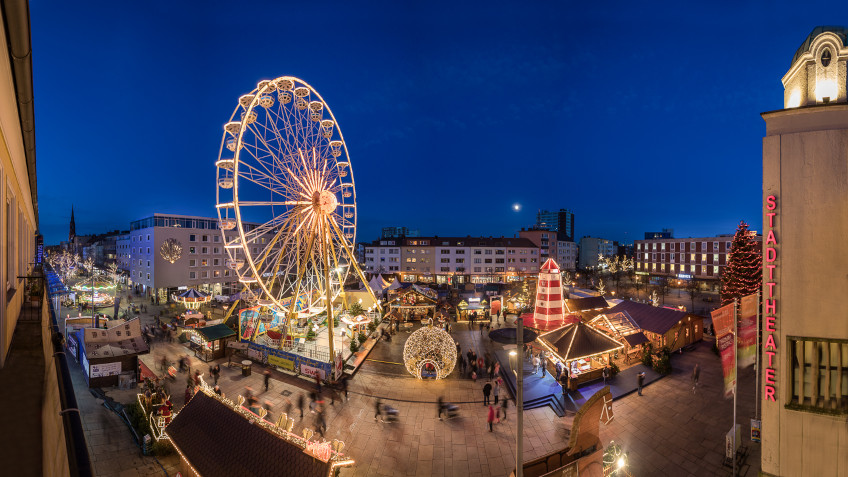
[668, 431]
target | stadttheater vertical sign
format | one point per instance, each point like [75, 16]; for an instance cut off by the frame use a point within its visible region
[770, 345]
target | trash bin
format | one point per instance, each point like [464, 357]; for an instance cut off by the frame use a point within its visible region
[147, 445]
[245, 368]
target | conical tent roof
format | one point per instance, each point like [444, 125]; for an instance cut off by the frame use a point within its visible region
[376, 284]
[191, 294]
[579, 340]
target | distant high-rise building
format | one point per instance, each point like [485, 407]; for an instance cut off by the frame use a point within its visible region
[666, 233]
[395, 232]
[560, 221]
[591, 247]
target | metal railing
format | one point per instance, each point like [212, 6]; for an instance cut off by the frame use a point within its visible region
[79, 462]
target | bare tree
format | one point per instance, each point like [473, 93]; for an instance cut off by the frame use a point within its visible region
[693, 286]
[171, 250]
[639, 285]
[663, 287]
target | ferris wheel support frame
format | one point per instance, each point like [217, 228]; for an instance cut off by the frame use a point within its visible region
[358, 270]
[325, 256]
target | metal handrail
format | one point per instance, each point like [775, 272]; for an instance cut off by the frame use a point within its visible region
[79, 462]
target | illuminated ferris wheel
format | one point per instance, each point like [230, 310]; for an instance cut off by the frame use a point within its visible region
[286, 198]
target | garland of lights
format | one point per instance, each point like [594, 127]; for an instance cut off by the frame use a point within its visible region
[743, 274]
[171, 250]
[430, 345]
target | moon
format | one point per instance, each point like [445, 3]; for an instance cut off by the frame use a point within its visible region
[516, 207]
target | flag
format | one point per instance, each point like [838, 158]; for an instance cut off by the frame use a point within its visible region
[723, 324]
[748, 330]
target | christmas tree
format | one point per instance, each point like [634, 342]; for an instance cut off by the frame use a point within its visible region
[743, 274]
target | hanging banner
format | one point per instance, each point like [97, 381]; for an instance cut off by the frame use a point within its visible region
[748, 331]
[723, 324]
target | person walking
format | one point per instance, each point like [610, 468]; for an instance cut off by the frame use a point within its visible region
[187, 396]
[606, 374]
[640, 381]
[558, 368]
[320, 423]
[497, 390]
[491, 416]
[536, 362]
[378, 408]
[462, 365]
[300, 404]
[266, 376]
[344, 386]
[542, 362]
[487, 390]
[497, 370]
[440, 403]
[696, 373]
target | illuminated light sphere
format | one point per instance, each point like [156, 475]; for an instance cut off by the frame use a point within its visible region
[516, 207]
[427, 347]
[171, 250]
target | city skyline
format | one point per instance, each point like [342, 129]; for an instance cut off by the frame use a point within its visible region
[631, 124]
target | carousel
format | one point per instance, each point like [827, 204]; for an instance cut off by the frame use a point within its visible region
[192, 299]
[95, 291]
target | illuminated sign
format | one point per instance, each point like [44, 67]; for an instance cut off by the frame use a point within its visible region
[684, 275]
[769, 303]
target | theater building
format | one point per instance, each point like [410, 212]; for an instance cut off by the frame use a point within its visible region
[804, 380]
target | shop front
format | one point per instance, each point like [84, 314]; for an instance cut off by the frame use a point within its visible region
[581, 350]
[210, 342]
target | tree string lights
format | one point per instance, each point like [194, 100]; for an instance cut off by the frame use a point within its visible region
[743, 274]
[171, 250]
[429, 345]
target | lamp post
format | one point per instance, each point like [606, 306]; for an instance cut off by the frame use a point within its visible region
[519, 399]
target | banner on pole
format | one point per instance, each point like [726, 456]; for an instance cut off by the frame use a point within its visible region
[747, 341]
[726, 343]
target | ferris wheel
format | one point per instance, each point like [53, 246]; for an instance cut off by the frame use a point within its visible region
[286, 198]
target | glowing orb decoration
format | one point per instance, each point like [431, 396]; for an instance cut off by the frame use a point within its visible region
[429, 353]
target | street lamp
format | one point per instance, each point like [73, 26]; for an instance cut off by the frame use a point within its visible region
[513, 361]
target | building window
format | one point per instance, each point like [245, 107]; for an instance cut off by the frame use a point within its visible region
[205, 238]
[192, 238]
[192, 263]
[460, 260]
[477, 269]
[192, 275]
[204, 274]
[445, 260]
[445, 269]
[488, 252]
[192, 250]
[817, 369]
[204, 263]
[459, 251]
[217, 238]
[148, 276]
[444, 251]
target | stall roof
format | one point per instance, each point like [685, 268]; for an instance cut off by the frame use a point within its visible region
[582, 304]
[122, 340]
[636, 339]
[579, 340]
[650, 318]
[620, 324]
[216, 332]
[197, 429]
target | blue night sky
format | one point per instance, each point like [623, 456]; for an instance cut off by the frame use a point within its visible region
[634, 116]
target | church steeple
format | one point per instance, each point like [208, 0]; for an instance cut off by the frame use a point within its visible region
[73, 230]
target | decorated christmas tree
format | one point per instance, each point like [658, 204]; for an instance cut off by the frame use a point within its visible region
[743, 274]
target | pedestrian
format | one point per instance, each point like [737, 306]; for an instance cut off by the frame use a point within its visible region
[497, 370]
[462, 365]
[197, 377]
[441, 405]
[481, 328]
[217, 372]
[641, 381]
[543, 362]
[458, 349]
[497, 390]
[606, 374]
[288, 407]
[487, 390]
[318, 383]
[267, 405]
[696, 373]
[565, 382]
[344, 386]
[187, 396]
[491, 370]
[503, 407]
[320, 423]
[218, 390]
[300, 404]
[491, 417]
[267, 378]
[481, 364]
[378, 408]
[558, 368]
[535, 364]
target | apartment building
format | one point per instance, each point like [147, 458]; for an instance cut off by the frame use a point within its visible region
[552, 245]
[455, 260]
[702, 258]
[566, 255]
[203, 264]
[591, 247]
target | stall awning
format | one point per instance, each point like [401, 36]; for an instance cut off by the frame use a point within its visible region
[579, 340]
[216, 332]
[636, 339]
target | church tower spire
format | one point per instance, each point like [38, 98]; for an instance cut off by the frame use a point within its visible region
[73, 229]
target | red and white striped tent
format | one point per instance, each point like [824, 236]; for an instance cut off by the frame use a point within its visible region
[549, 312]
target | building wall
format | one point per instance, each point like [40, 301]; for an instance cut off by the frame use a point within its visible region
[149, 269]
[17, 213]
[701, 257]
[566, 255]
[590, 247]
[805, 169]
[383, 256]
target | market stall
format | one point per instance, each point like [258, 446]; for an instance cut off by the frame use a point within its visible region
[582, 350]
[623, 328]
[210, 342]
[108, 356]
[355, 325]
[412, 302]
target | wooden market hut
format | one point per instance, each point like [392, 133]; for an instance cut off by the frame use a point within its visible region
[251, 447]
[664, 326]
[582, 349]
[109, 356]
[413, 302]
[210, 342]
[623, 328]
